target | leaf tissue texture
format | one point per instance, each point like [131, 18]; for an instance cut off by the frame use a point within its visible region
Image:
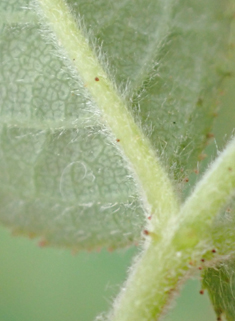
[173, 56]
[61, 177]
[220, 283]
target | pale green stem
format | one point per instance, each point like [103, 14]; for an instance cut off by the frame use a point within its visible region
[150, 284]
[210, 194]
[153, 180]
[162, 265]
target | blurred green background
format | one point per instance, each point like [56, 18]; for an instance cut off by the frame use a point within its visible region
[43, 284]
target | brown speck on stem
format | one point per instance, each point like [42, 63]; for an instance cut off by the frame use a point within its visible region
[201, 291]
[196, 171]
[186, 179]
[117, 140]
[96, 79]
[149, 217]
[146, 232]
[200, 268]
[202, 260]
[213, 251]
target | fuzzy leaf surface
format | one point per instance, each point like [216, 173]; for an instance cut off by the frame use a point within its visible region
[220, 283]
[174, 57]
[220, 280]
[61, 176]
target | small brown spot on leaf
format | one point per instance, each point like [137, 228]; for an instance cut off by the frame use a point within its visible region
[201, 291]
[213, 251]
[43, 243]
[230, 169]
[210, 135]
[117, 140]
[202, 156]
[97, 79]
[32, 235]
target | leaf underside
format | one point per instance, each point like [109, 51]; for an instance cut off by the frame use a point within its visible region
[220, 282]
[60, 176]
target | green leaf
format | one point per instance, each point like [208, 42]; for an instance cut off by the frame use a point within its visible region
[220, 280]
[173, 55]
[61, 175]
[61, 178]
[220, 283]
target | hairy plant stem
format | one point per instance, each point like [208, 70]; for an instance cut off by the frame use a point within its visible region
[152, 178]
[162, 266]
[175, 236]
[150, 284]
[210, 194]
